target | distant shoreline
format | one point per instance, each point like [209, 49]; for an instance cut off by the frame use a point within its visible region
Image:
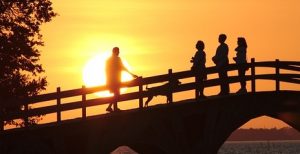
[262, 134]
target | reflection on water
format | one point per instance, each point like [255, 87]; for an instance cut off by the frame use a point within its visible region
[260, 147]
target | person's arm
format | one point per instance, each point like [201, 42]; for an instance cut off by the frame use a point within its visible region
[224, 55]
[217, 57]
[125, 69]
[203, 59]
[197, 59]
[135, 76]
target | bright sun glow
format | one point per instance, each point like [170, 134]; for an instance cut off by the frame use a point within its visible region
[94, 73]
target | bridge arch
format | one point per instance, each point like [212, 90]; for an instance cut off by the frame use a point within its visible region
[264, 122]
[234, 111]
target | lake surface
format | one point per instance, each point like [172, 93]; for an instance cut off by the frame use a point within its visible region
[260, 147]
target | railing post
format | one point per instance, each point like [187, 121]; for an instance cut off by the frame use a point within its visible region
[277, 74]
[197, 86]
[141, 104]
[170, 90]
[58, 103]
[83, 103]
[253, 89]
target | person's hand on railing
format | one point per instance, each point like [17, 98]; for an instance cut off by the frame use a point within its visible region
[135, 76]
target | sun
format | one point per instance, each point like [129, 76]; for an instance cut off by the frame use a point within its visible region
[94, 73]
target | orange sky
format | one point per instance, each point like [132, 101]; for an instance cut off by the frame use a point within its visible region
[156, 35]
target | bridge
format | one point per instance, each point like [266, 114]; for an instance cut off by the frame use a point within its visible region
[188, 126]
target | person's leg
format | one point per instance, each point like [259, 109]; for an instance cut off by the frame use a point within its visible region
[243, 84]
[109, 109]
[197, 86]
[221, 81]
[116, 97]
[201, 87]
[226, 84]
[240, 77]
[242, 72]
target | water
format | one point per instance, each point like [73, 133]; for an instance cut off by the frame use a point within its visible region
[260, 147]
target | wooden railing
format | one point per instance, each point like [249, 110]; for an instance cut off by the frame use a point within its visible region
[26, 112]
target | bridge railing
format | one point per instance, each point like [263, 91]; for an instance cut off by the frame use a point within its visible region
[141, 93]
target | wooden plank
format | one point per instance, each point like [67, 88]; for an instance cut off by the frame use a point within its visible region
[185, 87]
[290, 62]
[32, 112]
[265, 64]
[63, 94]
[288, 75]
[211, 70]
[265, 77]
[155, 79]
[295, 81]
[183, 74]
[291, 68]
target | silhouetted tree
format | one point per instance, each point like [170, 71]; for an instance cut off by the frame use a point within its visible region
[20, 37]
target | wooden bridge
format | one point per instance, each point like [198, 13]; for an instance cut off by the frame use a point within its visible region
[177, 127]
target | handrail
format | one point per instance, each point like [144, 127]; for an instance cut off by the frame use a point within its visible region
[140, 82]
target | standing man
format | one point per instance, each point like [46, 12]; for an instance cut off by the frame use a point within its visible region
[221, 61]
[114, 68]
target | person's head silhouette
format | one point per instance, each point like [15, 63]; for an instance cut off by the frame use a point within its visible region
[116, 51]
[222, 38]
[242, 42]
[200, 45]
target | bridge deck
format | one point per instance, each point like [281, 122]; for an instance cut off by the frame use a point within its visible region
[182, 127]
[164, 106]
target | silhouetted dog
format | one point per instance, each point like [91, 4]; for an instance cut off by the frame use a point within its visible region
[164, 90]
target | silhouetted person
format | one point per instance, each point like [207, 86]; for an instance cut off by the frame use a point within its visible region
[199, 68]
[221, 61]
[241, 60]
[114, 67]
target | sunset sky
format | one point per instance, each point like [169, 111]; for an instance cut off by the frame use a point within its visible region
[156, 35]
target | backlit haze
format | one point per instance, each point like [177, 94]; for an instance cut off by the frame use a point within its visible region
[156, 35]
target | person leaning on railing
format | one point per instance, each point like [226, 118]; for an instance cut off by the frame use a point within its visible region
[199, 68]
[241, 61]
